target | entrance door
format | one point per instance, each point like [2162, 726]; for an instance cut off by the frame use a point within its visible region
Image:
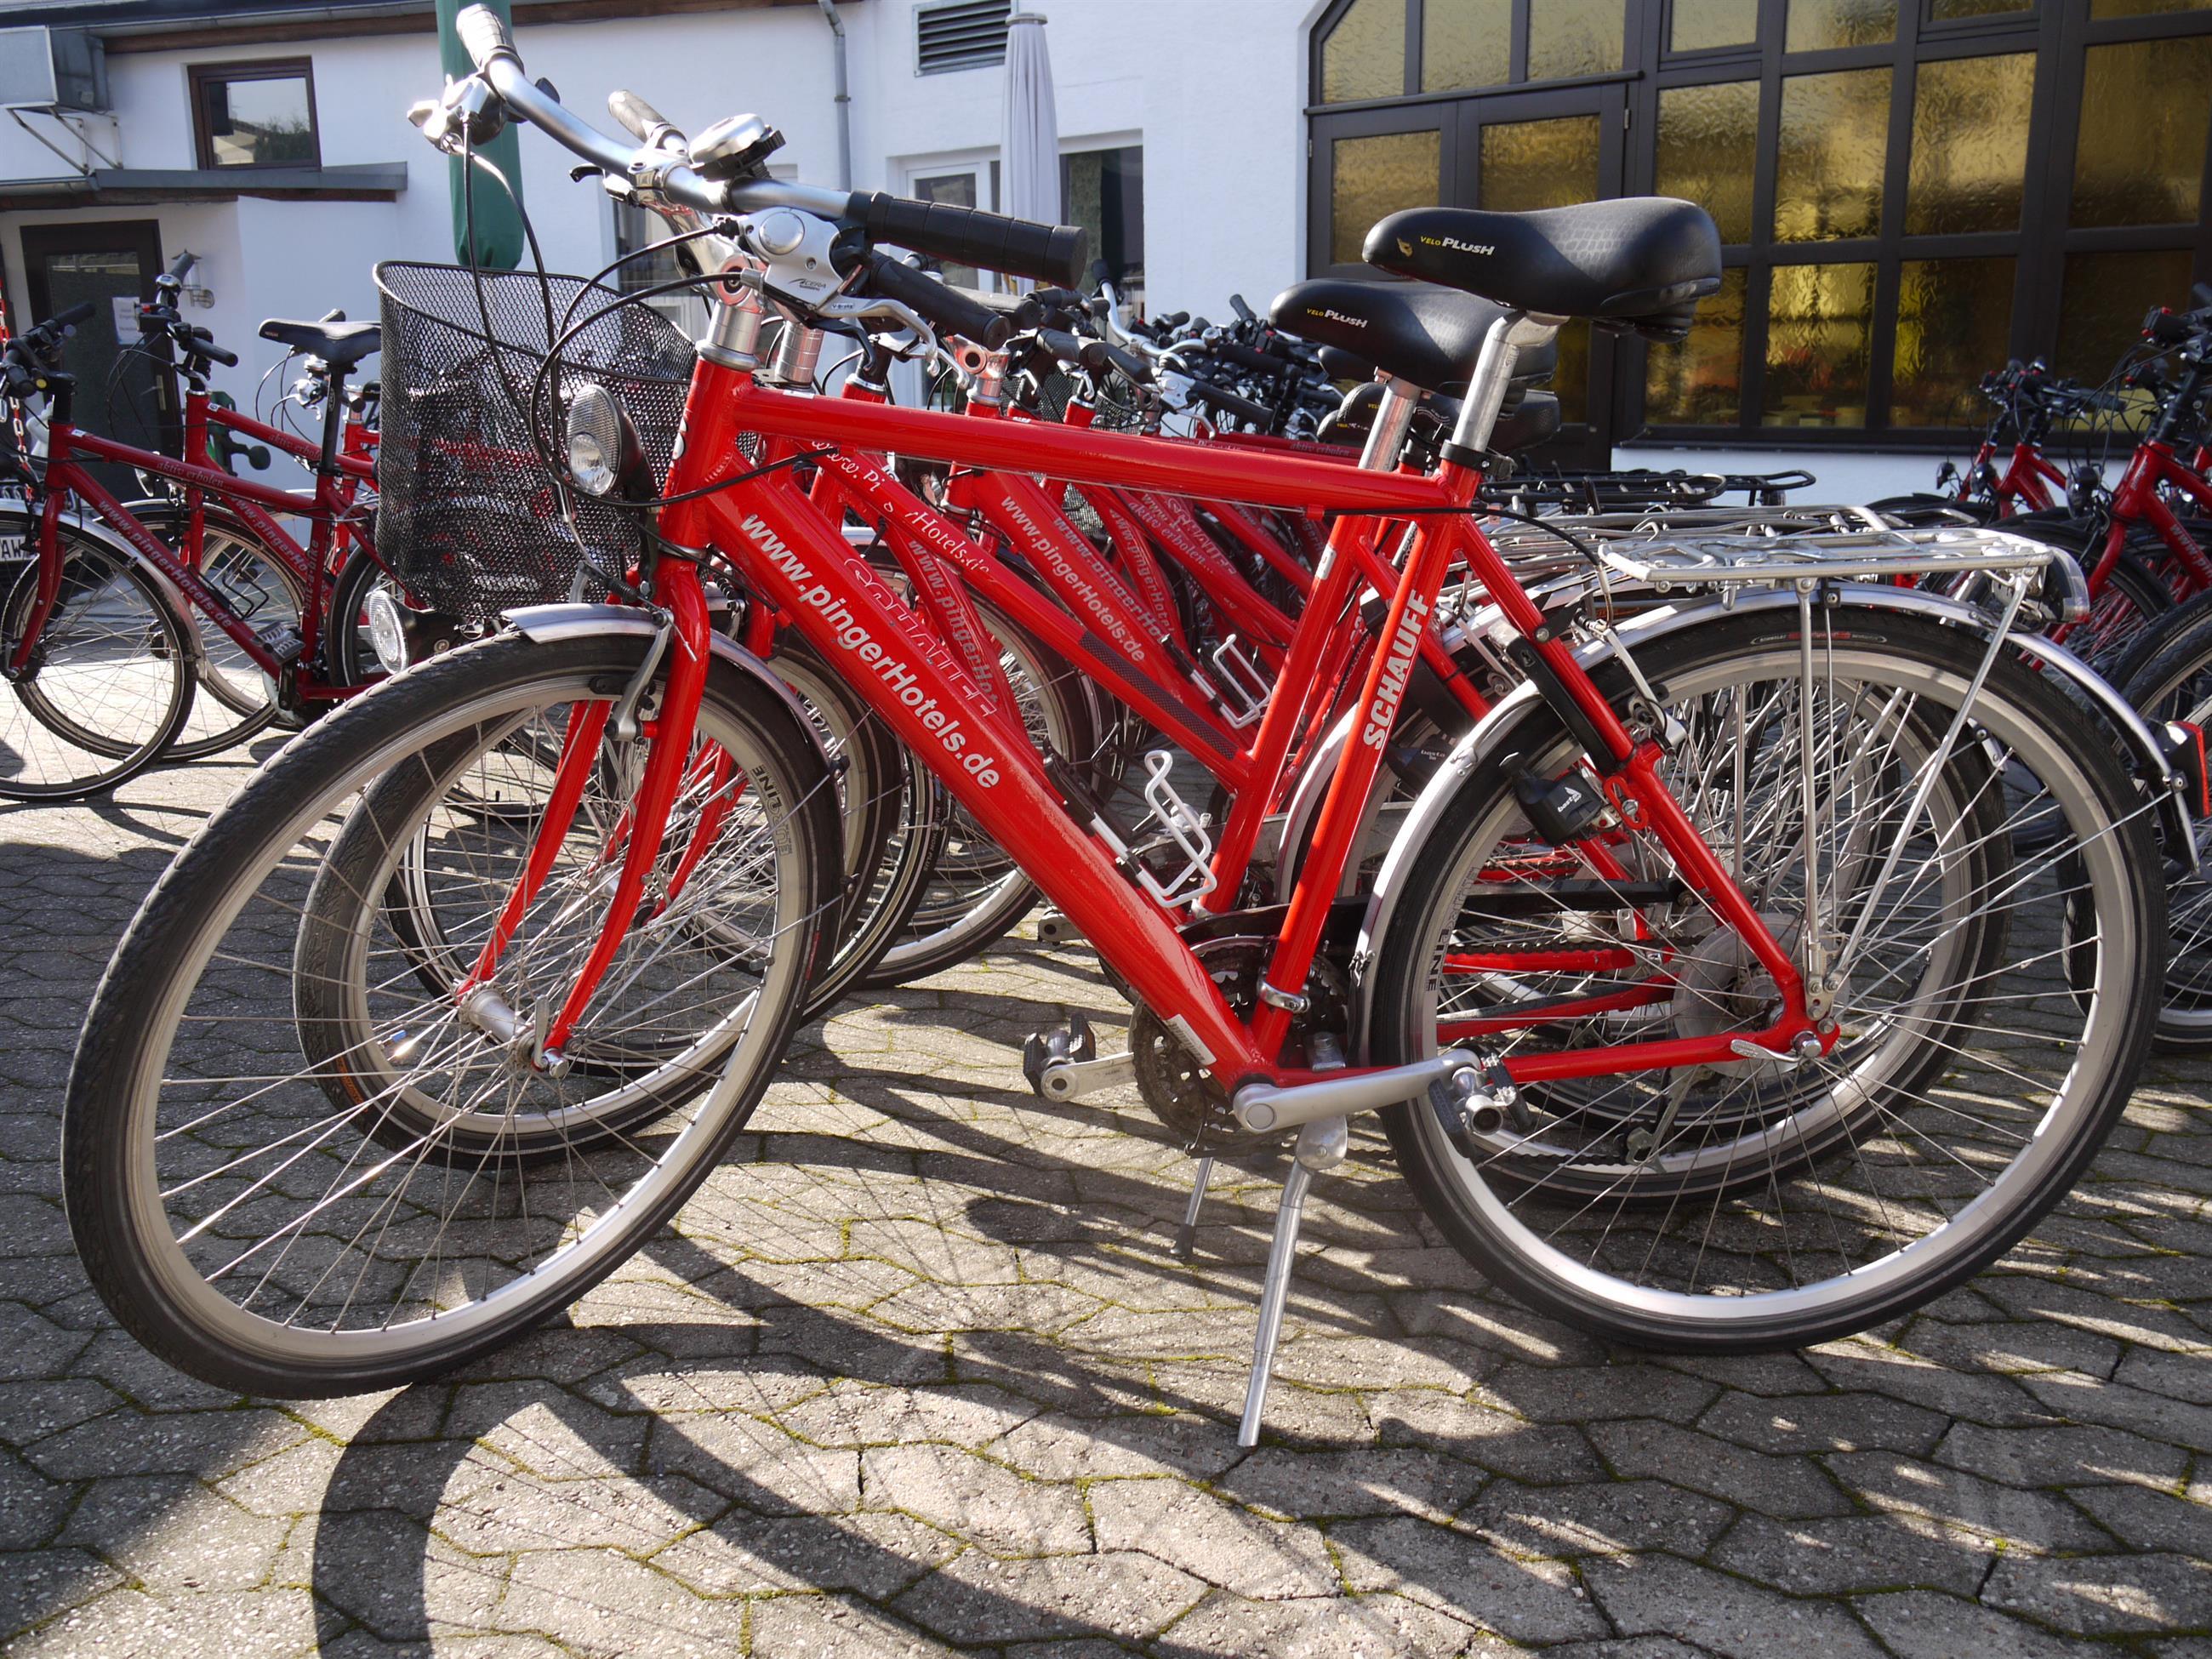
[119, 395]
[1524, 151]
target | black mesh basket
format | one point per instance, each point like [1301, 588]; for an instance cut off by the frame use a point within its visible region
[468, 514]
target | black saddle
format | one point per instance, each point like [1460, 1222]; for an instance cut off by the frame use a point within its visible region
[1642, 262]
[1429, 336]
[340, 344]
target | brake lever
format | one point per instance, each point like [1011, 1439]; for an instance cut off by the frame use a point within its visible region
[468, 109]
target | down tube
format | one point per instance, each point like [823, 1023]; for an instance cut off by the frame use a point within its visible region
[913, 679]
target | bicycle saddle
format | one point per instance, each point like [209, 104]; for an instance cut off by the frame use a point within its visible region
[339, 344]
[1642, 262]
[1428, 335]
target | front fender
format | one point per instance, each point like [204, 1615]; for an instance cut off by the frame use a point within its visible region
[2132, 735]
[564, 621]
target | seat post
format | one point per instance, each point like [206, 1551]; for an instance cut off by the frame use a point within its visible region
[1386, 438]
[1494, 375]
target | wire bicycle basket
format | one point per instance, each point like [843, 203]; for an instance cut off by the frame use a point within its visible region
[473, 518]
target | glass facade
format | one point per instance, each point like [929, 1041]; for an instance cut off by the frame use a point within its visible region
[1907, 191]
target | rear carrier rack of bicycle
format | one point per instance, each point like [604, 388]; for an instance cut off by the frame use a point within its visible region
[1733, 551]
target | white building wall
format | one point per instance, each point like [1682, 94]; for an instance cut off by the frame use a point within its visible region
[1214, 92]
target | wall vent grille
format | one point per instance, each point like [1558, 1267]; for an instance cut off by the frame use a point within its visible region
[968, 34]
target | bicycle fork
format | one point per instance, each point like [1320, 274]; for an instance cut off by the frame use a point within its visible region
[667, 765]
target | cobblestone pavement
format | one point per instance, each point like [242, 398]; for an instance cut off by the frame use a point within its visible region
[932, 1378]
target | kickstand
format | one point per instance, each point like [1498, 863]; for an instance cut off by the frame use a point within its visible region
[1186, 1244]
[1320, 1146]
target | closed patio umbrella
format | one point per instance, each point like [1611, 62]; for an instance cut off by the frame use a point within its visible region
[1028, 136]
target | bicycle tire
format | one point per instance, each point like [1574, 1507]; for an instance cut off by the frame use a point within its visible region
[60, 739]
[2039, 730]
[180, 962]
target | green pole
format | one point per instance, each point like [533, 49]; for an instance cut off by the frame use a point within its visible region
[498, 220]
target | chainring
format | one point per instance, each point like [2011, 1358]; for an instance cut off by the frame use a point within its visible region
[1183, 1094]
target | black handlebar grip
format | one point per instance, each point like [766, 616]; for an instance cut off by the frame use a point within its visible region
[211, 352]
[949, 310]
[1134, 368]
[72, 317]
[483, 35]
[968, 236]
[1070, 348]
[1228, 402]
[2167, 327]
[639, 118]
[1243, 356]
[182, 264]
[1173, 320]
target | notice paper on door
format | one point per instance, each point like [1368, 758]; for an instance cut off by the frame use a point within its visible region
[126, 317]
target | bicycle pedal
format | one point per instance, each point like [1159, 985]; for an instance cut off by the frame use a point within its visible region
[1045, 1054]
[1053, 928]
[282, 640]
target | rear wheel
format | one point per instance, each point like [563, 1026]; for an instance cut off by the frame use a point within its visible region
[1992, 991]
[2169, 678]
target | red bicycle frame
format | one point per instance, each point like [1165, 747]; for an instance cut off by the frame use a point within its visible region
[2137, 499]
[802, 565]
[256, 504]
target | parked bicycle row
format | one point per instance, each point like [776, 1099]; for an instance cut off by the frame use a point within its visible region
[1747, 919]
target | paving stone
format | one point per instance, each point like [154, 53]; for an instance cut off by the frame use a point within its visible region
[1921, 1624]
[1225, 1545]
[978, 1599]
[1824, 1422]
[742, 1554]
[1604, 1517]
[1361, 1480]
[974, 1499]
[834, 1627]
[2033, 1520]
[268, 1623]
[1340, 1627]
[596, 1601]
[41, 1585]
[2096, 1595]
[2061, 1455]
[170, 1534]
[1853, 1552]
[1779, 1487]
[756, 1463]
[1467, 1576]
[1575, 1394]
[2152, 1520]
[1659, 1595]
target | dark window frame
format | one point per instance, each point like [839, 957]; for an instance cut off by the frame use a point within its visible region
[201, 77]
[2059, 33]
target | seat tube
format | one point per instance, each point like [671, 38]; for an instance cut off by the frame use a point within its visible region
[1343, 812]
[1332, 588]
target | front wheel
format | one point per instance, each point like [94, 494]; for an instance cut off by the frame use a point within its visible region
[1986, 897]
[109, 682]
[304, 1156]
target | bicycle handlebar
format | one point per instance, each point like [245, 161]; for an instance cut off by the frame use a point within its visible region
[1052, 253]
[644, 123]
[61, 321]
[948, 310]
[1228, 402]
[970, 236]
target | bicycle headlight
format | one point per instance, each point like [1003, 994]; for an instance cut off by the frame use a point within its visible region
[388, 629]
[604, 455]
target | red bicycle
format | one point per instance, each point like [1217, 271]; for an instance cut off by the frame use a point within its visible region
[98, 634]
[1715, 995]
